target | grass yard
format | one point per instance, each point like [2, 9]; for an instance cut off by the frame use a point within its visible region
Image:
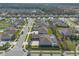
[49, 31]
[4, 24]
[71, 45]
[5, 46]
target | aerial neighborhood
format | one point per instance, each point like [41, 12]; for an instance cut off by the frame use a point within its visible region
[39, 29]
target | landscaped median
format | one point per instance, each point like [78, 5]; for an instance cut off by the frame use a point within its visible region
[28, 37]
[45, 52]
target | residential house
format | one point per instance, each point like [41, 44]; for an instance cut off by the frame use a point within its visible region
[8, 34]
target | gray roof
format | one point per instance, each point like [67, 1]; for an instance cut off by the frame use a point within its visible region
[66, 31]
[42, 30]
[10, 30]
[45, 40]
[6, 36]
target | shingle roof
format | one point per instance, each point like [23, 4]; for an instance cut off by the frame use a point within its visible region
[45, 40]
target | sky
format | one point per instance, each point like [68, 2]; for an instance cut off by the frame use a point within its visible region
[42, 5]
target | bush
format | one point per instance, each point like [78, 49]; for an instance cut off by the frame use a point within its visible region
[5, 46]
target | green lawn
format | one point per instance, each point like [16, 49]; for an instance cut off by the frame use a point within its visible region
[49, 31]
[30, 37]
[5, 46]
[4, 24]
[71, 45]
[48, 52]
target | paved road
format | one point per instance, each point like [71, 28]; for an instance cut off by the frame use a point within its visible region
[17, 50]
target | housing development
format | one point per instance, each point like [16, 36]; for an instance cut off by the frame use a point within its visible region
[39, 29]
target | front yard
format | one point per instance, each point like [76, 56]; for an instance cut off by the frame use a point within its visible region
[4, 24]
[5, 46]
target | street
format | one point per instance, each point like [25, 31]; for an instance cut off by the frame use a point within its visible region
[17, 50]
